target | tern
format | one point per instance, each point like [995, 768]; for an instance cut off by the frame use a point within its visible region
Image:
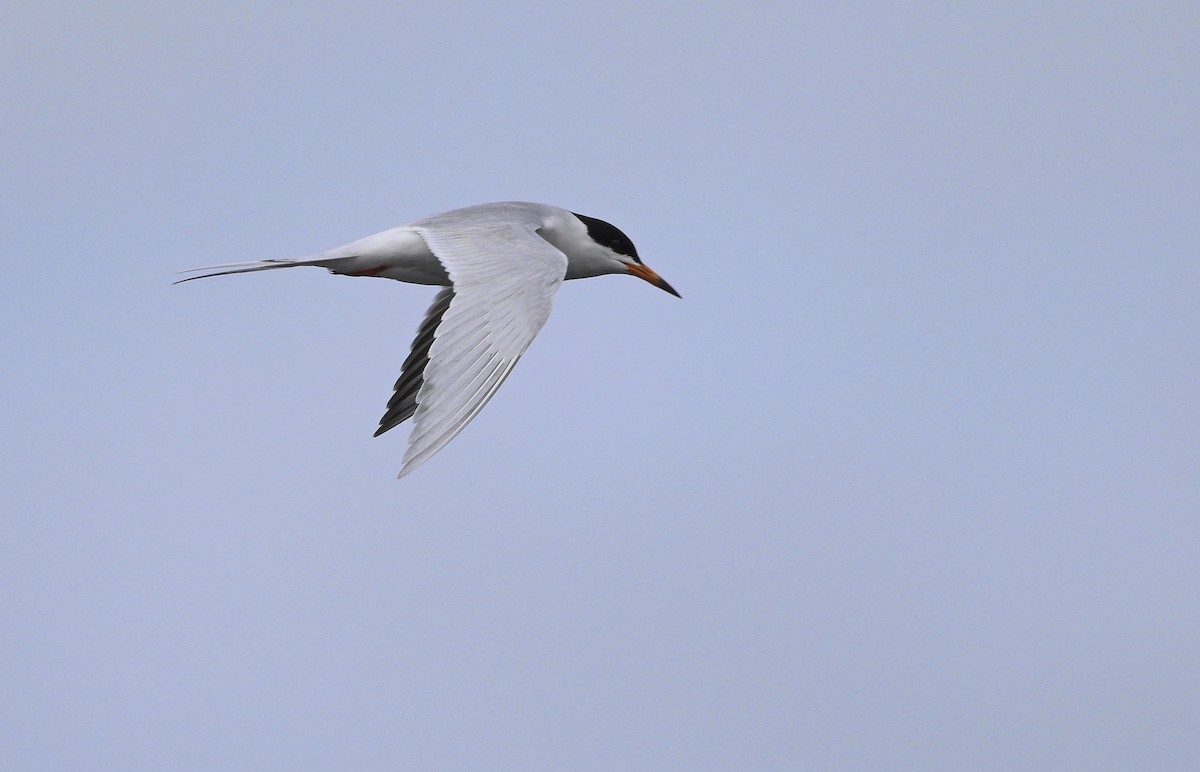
[500, 265]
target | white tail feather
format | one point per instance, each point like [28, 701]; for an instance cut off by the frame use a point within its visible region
[250, 267]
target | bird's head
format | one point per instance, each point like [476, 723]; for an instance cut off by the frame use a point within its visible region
[615, 249]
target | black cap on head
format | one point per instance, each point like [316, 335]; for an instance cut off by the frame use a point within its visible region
[609, 235]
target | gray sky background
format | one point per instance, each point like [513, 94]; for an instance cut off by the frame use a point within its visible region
[910, 479]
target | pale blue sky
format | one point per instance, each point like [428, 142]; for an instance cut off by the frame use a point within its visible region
[910, 479]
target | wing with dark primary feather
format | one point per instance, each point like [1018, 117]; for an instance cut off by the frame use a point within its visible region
[403, 403]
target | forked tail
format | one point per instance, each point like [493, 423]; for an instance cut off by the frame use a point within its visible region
[250, 267]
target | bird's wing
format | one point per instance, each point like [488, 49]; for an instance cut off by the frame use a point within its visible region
[403, 403]
[504, 277]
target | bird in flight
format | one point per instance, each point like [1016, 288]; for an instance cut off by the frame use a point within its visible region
[499, 266]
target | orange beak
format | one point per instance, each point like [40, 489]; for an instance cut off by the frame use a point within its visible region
[642, 272]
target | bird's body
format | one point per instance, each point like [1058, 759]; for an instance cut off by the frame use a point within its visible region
[500, 266]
